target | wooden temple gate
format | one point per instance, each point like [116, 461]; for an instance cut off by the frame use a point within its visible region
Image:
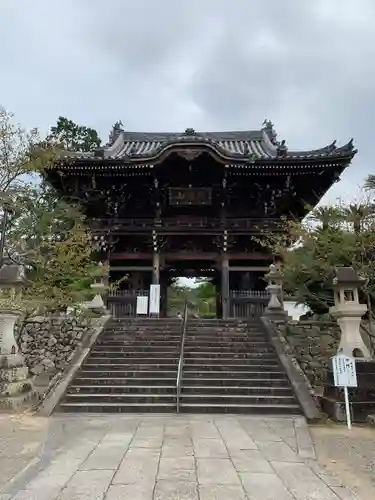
[160, 204]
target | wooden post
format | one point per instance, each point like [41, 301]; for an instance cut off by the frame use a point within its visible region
[155, 268]
[225, 286]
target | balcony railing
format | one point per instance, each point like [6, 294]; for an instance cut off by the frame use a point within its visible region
[182, 224]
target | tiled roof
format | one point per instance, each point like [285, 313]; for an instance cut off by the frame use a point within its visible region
[236, 146]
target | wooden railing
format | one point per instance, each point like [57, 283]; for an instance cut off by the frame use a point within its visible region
[181, 359]
[117, 226]
[248, 303]
[123, 303]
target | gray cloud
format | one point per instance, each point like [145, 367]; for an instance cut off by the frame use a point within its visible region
[212, 64]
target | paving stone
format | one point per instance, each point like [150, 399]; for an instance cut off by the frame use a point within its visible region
[182, 440]
[177, 469]
[177, 431]
[138, 491]
[235, 437]
[278, 452]
[260, 486]
[135, 469]
[251, 461]
[175, 490]
[176, 450]
[58, 473]
[149, 431]
[205, 430]
[87, 485]
[344, 494]
[150, 442]
[221, 492]
[259, 430]
[304, 442]
[109, 453]
[216, 471]
[209, 448]
[50, 493]
[302, 481]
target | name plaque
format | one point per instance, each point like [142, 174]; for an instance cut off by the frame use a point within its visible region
[190, 196]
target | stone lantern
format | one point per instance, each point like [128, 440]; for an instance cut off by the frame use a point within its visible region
[97, 304]
[275, 309]
[12, 278]
[15, 386]
[348, 312]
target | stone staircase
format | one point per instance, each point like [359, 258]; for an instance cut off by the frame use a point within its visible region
[229, 367]
[131, 368]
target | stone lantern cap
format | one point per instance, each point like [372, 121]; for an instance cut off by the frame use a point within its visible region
[12, 275]
[346, 276]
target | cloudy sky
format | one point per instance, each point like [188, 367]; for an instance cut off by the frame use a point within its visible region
[165, 65]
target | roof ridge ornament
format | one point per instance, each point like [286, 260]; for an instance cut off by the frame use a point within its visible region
[282, 149]
[269, 129]
[115, 132]
[190, 131]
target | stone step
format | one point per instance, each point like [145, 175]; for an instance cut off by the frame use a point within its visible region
[138, 347]
[109, 367]
[213, 399]
[123, 398]
[120, 360]
[123, 389]
[153, 379]
[128, 352]
[250, 372]
[235, 390]
[233, 361]
[205, 368]
[144, 372]
[250, 408]
[235, 382]
[115, 407]
[121, 340]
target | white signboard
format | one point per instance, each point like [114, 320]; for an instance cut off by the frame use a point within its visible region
[345, 375]
[154, 299]
[344, 371]
[142, 304]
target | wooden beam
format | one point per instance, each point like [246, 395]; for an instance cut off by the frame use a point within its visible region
[130, 268]
[262, 269]
[130, 256]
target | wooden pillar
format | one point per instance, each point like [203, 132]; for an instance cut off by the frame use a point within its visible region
[225, 286]
[155, 268]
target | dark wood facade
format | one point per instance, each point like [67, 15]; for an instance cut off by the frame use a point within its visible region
[168, 205]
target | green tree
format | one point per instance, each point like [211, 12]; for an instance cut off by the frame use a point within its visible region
[44, 233]
[21, 155]
[328, 238]
[69, 136]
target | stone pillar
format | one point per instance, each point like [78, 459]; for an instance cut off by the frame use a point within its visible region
[225, 299]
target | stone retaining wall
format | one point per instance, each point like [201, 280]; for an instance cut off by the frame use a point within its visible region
[48, 345]
[313, 343]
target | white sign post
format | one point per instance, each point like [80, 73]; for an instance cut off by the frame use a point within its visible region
[345, 375]
[142, 304]
[154, 307]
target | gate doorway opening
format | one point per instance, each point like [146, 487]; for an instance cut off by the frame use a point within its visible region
[200, 293]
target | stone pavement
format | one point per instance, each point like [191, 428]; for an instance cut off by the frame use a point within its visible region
[175, 457]
[21, 438]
